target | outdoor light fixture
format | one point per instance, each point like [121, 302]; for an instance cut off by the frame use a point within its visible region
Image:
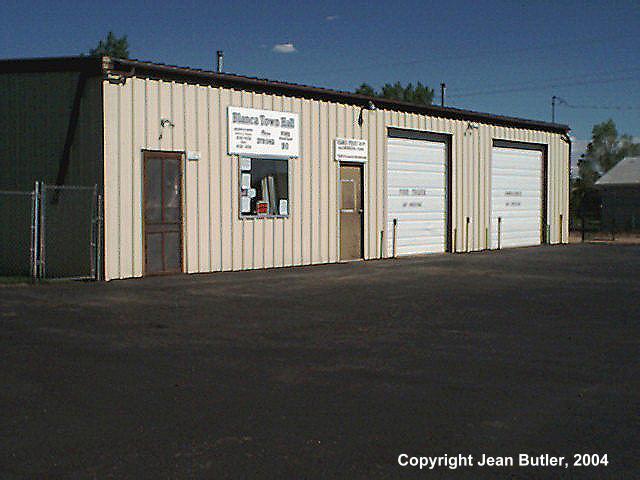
[471, 126]
[116, 78]
[369, 106]
[164, 122]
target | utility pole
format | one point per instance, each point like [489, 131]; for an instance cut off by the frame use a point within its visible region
[443, 87]
[553, 109]
[219, 61]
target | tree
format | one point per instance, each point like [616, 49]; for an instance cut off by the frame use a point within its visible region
[419, 94]
[394, 92]
[366, 89]
[604, 151]
[112, 46]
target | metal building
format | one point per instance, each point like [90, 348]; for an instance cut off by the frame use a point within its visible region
[619, 190]
[205, 171]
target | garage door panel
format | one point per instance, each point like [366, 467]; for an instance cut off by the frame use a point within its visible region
[416, 229]
[404, 207]
[417, 237]
[517, 189]
[516, 173]
[407, 149]
[515, 226]
[402, 179]
[415, 246]
[400, 165]
[516, 197]
[416, 196]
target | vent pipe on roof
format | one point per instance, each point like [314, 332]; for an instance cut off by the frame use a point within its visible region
[443, 89]
[220, 59]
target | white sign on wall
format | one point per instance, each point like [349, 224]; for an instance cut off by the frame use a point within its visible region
[351, 150]
[263, 133]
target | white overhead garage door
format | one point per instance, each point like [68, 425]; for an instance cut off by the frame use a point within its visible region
[516, 197]
[416, 196]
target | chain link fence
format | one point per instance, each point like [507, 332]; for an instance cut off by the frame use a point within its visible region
[598, 218]
[52, 232]
[17, 235]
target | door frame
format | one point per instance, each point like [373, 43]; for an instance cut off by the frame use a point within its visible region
[539, 147]
[446, 138]
[174, 154]
[361, 167]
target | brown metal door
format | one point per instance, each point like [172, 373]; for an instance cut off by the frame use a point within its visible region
[162, 213]
[350, 212]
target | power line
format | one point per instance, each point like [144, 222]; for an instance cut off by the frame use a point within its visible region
[545, 87]
[564, 103]
[535, 83]
[481, 53]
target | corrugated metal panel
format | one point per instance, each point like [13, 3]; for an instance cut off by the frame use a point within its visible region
[35, 115]
[217, 239]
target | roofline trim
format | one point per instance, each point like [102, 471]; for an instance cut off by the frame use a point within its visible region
[608, 184]
[89, 64]
[105, 65]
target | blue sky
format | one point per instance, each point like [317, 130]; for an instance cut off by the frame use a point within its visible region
[499, 57]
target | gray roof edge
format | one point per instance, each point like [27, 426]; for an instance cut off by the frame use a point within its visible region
[625, 172]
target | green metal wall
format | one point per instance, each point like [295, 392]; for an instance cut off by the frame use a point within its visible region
[35, 110]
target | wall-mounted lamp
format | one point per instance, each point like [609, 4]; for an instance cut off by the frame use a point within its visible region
[471, 126]
[116, 78]
[119, 78]
[164, 122]
[369, 106]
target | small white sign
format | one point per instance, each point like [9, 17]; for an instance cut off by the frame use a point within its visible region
[263, 133]
[245, 163]
[283, 207]
[351, 150]
[194, 156]
[246, 181]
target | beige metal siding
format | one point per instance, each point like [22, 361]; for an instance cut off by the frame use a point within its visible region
[217, 239]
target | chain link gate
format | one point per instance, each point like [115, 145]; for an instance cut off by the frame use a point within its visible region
[17, 233]
[52, 232]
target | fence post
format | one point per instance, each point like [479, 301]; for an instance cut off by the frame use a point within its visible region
[548, 233]
[466, 234]
[35, 216]
[99, 274]
[560, 231]
[613, 229]
[93, 257]
[43, 218]
[499, 232]
[395, 236]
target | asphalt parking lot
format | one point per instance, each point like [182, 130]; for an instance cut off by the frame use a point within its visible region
[329, 371]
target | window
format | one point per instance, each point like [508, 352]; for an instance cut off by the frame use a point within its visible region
[264, 187]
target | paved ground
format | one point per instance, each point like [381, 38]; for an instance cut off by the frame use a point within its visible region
[327, 371]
